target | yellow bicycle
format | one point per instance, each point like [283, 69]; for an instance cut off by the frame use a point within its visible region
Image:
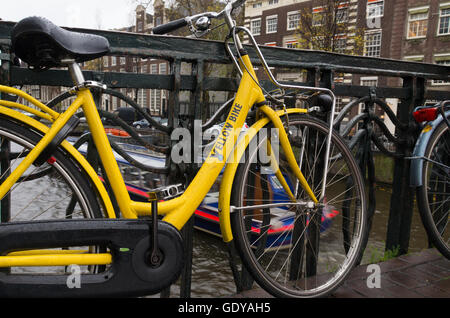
[292, 200]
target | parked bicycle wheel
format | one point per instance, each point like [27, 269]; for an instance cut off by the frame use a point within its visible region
[296, 251]
[433, 196]
[55, 190]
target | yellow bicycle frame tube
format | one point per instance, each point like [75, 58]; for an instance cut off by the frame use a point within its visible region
[49, 114]
[230, 171]
[248, 94]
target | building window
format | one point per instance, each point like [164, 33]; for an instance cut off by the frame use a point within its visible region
[372, 44]
[35, 91]
[444, 21]
[414, 58]
[257, 5]
[342, 14]
[293, 19]
[105, 61]
[162, 68]
[142, 98]
[255, 27]
[340, 44]
[158, 21]
[317, 16]
[417, 24]
[123, 60]
[271, 24]
[139, 26]
[375, 9]
[154, 69]
[271, 2]
[113, 61]
[442, 60]
[290, 43]
[155, 100]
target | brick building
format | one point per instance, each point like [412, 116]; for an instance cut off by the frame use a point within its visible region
[413, 30]
[155, 100]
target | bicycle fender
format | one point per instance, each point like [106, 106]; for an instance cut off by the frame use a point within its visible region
[71, 150]
[416, 168]
[231, 168]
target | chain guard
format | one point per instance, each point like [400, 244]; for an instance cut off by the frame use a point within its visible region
[128, 242]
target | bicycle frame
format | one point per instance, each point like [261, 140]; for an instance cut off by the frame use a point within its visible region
[418, 156]
[176, 211]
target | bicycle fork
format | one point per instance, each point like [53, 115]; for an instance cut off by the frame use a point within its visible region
[285, 144]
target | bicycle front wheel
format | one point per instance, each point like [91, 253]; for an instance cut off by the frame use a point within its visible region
[433, 197]
[300, 250]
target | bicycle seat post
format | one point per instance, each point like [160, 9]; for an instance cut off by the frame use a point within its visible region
[75, 71]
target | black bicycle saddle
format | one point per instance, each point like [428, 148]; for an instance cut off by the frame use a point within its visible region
[42, 44]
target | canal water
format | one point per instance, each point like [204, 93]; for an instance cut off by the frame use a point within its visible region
[212, 277]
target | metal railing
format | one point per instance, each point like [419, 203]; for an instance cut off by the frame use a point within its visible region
[363, 129]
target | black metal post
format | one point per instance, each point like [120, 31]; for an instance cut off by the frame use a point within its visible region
[401, 210]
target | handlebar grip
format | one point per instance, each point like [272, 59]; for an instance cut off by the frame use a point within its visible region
[171, 26]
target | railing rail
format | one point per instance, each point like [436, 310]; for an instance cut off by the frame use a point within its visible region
[321, 69]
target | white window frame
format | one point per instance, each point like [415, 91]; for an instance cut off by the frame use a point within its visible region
[257, 5]
[379, 3]
[369, 33]
[344, 7]
[153, 68]
[414, 58]
[252, 28]
[142, 98]
[338, 38]
[272, 17]
[162, 68]
[444, 6]
[317, 11]
[446, 59]
[421, 10]
[290, 41]
[113, 61]
[289, 14]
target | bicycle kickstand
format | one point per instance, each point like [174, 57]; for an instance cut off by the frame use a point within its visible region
[155, 254]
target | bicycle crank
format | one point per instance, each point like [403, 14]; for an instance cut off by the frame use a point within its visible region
[124, 244]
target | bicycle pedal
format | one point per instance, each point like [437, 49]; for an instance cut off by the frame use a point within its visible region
[166, 193]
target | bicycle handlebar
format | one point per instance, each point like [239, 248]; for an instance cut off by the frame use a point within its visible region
[179, 23]
[170, 26]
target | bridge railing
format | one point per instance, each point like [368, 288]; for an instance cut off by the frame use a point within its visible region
[321, 69]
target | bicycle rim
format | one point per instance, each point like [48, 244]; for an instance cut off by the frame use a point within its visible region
[295, 251]
[434, 195]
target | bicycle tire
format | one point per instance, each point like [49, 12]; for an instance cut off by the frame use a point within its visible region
[433, 197]
[59, 190]
[301, 270]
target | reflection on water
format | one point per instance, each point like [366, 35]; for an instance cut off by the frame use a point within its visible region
[211, 274]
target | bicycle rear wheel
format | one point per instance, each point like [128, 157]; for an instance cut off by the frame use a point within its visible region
[433, 197]
[299, 251]
[55, 190]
